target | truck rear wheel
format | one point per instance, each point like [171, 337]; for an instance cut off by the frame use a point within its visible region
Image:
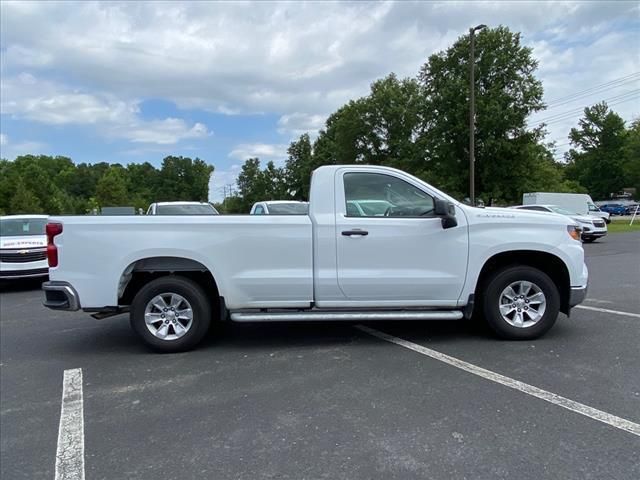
[171, 314]
[521, 303]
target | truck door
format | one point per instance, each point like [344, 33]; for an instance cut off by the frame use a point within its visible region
[391, 248]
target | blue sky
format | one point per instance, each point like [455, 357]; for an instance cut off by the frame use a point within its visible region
[133, 82]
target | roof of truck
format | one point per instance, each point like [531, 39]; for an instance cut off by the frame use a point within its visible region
[182, 203]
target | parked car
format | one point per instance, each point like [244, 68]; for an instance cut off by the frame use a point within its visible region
[633, 208]
[592, 228]
[181, 208]
[580, 203]
[23, 246]
[429, 257]
[280, 207]
[614, 208]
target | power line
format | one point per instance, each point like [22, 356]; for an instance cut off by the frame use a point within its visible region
[607, 86]
[580, 109]
[588, 94]
[612, 104]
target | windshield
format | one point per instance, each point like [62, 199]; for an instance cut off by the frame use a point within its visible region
[288, 208]
[17, 227]
[561, 210]
[186, 209]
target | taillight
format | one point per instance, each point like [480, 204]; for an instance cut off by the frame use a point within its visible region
[52, 230]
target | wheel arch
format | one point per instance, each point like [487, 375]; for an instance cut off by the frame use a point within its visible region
[546, 262]
[140, 272]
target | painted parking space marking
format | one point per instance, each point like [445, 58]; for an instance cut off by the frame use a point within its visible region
[582, 409]
[594, 300]
[70, 451]
[606, 310]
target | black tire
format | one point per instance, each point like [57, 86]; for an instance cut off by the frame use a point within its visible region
[192, 293]
[491, 302]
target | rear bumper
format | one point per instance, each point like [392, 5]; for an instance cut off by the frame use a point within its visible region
[60, 296]
[577, 295]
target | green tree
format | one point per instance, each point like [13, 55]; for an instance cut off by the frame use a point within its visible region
[631, 157]
[24, 200]
[507, 93]
[596, 159]
[381, 128]
[8, 178]
[182, 178]
[251, 185]
[142, 184]
[298, 168]
[111, 190]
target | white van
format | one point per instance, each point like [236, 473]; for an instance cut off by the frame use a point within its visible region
[579, 203]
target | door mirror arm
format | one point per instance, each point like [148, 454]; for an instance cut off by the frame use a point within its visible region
[447, 212]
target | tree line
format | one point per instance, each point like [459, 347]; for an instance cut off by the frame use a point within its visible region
[418, 124]
[421, 125]
[56, 185]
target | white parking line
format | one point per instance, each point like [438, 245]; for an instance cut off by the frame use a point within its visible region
[70, 452]
[563, 402]
[606, 310]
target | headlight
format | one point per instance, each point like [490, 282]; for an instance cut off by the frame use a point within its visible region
[574, 232]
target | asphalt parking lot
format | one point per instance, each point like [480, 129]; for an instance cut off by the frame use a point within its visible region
[327, 400]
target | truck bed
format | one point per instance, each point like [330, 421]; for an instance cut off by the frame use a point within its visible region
[268, 259]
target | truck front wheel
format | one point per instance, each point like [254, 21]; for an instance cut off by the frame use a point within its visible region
[521, 303]
[171, 314]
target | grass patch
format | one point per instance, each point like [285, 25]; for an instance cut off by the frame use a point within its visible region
[622, 225]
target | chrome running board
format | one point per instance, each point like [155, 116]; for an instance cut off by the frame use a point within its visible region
[359, 316]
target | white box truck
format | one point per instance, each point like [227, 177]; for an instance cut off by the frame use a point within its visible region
[580, 203]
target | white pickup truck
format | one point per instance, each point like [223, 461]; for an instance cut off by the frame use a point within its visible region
[427, 256]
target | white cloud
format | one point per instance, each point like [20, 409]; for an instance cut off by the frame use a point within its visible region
[11, 150]
[297, 60]
[163, 132]
[263, 151]
[296, 124]
[25, 96]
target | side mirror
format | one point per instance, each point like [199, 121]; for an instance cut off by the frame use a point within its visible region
[441, 207]
[447, 211]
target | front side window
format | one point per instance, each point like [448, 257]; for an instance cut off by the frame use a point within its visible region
[259, 210]
[377, 195]
[593, 208]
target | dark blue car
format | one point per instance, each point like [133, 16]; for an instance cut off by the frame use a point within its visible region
[614, 208]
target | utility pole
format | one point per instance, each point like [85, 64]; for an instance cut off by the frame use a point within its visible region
[472, 113]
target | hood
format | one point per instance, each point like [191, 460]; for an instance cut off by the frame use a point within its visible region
[26, 241]
[514, 215]
[581, 218]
